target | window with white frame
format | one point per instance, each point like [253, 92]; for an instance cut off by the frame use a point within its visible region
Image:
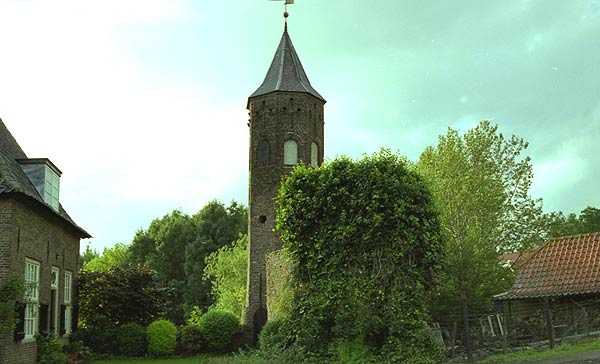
[68, 301]
[314, 155]
[290, 153]
[52, 188]
[32, 296]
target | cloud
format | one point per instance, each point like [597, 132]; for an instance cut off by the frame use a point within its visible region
[132, 143]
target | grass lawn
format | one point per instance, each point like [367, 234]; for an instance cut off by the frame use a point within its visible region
[521, 356]
[192, 360]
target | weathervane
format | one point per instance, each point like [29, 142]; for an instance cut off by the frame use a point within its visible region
[285, 13]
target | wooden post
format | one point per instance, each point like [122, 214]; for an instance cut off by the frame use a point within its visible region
[453, 339]
[549, 323]
[467, 337]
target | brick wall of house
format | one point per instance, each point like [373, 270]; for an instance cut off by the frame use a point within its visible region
[6, 235]
[46, 238]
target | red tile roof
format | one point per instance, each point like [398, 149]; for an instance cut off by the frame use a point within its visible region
[566, 265]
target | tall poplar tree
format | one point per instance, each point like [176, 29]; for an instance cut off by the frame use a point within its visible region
[480, 184]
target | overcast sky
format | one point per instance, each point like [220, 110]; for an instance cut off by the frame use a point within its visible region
[141, 103]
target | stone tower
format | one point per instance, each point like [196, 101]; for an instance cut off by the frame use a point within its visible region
[286, 128]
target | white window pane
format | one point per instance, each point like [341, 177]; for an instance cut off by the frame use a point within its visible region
[314, 154]
[290, 153]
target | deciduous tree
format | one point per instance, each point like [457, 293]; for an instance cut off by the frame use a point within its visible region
[227, 270]
[480, 184]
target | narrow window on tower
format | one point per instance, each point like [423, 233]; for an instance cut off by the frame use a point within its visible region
[262, 153]
[314, 155]
[290, 153]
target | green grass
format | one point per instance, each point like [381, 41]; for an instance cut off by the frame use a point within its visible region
[192, 360]
[534, 354]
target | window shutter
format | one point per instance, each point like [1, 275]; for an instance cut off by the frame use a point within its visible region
[43, 319]
[62, 320]
[19, 333]
[74, 317]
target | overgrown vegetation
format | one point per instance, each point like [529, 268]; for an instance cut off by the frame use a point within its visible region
[364, 240]
[11, 290]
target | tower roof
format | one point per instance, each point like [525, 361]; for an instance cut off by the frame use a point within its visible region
[286, 72]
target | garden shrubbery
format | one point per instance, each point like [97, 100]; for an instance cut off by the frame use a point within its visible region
[162, 337]
[131, 339]
[273, 335]
[191, 340]
[219, 329]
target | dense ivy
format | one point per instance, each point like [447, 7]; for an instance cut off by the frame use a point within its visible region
[364, 239]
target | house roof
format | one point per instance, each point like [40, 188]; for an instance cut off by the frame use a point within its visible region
[14, 181]
[286, 72]
[516, 259]
[568, 265]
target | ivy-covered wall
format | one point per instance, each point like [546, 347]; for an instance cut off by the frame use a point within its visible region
[280, 292]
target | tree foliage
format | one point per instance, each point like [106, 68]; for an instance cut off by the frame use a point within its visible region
[120, 295]
[216, 227]
[176, 246]
[227, 269]
[364, 238]
[480, 184]
[111, 257]
[588, 221]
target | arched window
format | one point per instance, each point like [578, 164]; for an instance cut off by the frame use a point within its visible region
[314, 155]
[262, 153]
[290, 153]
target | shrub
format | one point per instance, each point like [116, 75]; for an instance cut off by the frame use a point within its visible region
[273, 335]
[101, 337]
[191, 340]
[162, 337]
[219, 328]
[49, 350]
[77, 352]
[131, 339]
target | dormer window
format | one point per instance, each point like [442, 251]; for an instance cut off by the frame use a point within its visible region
[44, 175]
[51, 188]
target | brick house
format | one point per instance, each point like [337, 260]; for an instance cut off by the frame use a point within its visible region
[39, 242]
[559, 281]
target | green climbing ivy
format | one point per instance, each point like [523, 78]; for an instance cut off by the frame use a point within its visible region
[364, 239]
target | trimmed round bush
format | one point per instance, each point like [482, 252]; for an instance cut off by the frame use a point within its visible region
[131, 339]
[273, 335]
[191, 340]
[219, 328]
[162, 337]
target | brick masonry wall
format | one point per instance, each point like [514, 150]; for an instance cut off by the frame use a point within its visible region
[6, 239]
[274, 118]
[39, 235]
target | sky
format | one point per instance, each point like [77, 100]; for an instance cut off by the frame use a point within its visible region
[141, 103]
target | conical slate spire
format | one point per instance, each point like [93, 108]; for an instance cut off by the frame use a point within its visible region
[286, 72]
